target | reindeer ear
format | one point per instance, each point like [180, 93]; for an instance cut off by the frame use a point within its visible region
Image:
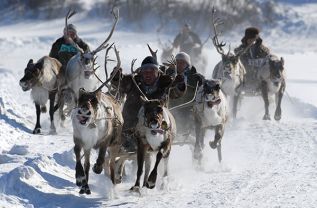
[218, 81]
[30, 62]
[98, 94]
[282, 61]
[39, 65]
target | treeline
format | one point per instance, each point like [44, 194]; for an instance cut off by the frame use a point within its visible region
[164, 14]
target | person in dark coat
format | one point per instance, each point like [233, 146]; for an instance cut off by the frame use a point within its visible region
[257, 49]
[188, 41]
[153, 84]
[255, 56]
[63, 50]
[192, 80]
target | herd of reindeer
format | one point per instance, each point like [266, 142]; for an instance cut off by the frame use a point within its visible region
[97, 118]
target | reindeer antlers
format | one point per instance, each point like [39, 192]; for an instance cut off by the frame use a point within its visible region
[117, 68]
[103, 45]
[215, 41]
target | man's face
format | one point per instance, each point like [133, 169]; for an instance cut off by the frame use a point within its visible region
[185, 30]
[149, 75]
[181, 66]
[252, 40]
[71, 34]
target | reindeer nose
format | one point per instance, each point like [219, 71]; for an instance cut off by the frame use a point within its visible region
[154, 125]
[22, 84]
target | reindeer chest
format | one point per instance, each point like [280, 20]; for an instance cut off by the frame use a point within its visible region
[153, 141]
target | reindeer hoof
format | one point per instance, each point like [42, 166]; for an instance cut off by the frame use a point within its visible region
[213, 144]
[81, 180]
[43, 109]
[53, 132]
[266, 117]
[37, 130]
[97, 168]
[197, 153]
[150, 184]
[135, 188]
[85, 190]
[277, 117]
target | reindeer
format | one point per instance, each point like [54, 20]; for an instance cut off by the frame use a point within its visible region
[97, 123]
[230, 71]
[42, 78]
[80, 68]
[155, 132]
[269, 77]
[272, 82]
[210, 112]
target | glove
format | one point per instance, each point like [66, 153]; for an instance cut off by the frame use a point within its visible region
[179, 78]
[258, 41]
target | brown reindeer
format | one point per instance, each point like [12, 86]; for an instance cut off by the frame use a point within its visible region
[155, 132]
[97, 123]
[272, 82]
[42, 78]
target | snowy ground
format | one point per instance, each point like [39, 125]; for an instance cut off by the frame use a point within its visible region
[266, 163]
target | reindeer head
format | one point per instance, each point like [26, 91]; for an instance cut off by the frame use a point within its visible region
[32, 75]
[87, 106]
[88, 59]
[211, 89]
[153, 114]
[229, 62]
[276, 69]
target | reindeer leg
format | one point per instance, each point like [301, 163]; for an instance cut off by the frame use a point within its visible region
[218, 135]
[152, 179]
[80, 174]
[97, 168]
[85, 187]
[265, 96]
[165, 174]
[37, 129]
[219, 152]
[140, 160]
[51, 111]
[199, 141]
[279, 96]
[235, 105]
[147, 168]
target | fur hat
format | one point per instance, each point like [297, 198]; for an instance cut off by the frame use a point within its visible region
[71, 27]
[149, 61]
[250, 32]
[184, 56]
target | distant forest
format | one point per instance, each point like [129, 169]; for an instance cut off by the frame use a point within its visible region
[164, 13]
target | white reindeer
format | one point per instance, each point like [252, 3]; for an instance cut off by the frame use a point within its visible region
[42, 78]
[229, 70]
[210, 112]
[80, 71]
[97, 123]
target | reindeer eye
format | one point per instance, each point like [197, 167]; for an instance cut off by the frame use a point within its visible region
[217, 87]
[159, 110]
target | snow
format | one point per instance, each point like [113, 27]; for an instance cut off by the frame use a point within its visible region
[265, 163]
